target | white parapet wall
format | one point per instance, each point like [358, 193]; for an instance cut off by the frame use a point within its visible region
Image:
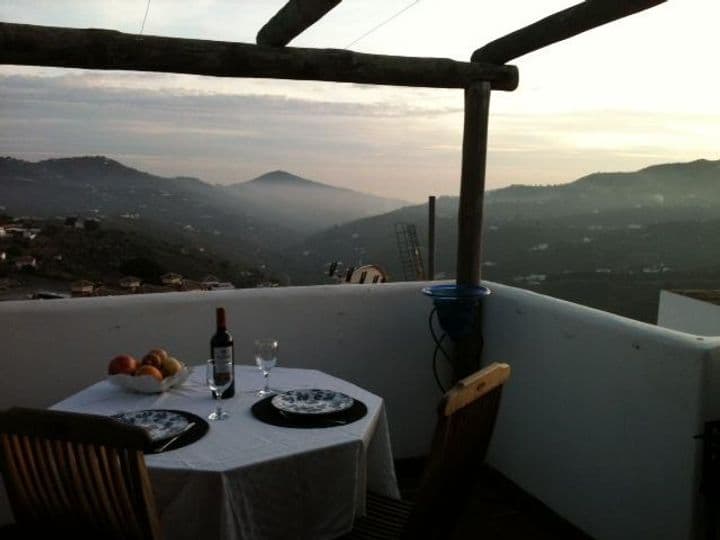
[597, 420]
[373, 335]
[686, 314]
[600, 413]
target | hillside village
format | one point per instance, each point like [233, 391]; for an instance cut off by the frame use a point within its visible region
[48, 258]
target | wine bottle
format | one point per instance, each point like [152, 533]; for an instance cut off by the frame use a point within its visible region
[221, 347]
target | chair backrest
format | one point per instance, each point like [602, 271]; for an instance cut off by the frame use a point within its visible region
[77, 473]
[466, 418]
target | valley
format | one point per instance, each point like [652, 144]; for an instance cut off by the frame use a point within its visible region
[608, 240]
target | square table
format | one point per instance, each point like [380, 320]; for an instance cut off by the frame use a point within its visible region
[249, 480]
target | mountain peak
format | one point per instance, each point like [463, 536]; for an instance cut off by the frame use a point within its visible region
[280, 177]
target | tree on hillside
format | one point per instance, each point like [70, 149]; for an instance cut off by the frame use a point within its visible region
[144, 268]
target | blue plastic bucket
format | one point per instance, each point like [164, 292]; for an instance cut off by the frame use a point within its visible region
[456, 307]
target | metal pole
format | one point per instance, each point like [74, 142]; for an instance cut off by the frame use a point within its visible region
[431, 238]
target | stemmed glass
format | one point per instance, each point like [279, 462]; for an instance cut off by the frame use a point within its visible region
[219, 377]
[266, 358]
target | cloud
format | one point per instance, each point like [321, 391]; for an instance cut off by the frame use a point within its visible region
[372, 140]
[224, 137]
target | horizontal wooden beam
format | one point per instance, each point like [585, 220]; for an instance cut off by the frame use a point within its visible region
[30, 45]
[559, 26]
[292, 19]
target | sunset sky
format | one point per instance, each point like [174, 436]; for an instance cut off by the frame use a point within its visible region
[636, 92]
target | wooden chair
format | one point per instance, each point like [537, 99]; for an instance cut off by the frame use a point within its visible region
[466, 418]
[76, 474]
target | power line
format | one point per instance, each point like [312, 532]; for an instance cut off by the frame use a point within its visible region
[147, 9]
[403, 10]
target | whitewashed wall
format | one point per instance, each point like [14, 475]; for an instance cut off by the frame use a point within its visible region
[680, 312]
[374, 335]
[599, 416]
[596, 421]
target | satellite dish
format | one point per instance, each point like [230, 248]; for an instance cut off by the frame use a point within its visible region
[368, 273]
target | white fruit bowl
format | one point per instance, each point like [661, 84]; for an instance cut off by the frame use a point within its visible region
[147, 384]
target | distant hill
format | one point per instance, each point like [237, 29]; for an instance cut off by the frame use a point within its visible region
[308, 205]
[276, 200]
[601, 201]
[281, 178]
[248, 222]
[675, 185]
[604, 232]
[184, 209]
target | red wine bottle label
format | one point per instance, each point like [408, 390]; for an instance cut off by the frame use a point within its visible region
[222, 355]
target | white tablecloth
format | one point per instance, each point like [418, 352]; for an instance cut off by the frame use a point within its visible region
[249, 480]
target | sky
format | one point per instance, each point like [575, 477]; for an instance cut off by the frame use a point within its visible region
[640, 91]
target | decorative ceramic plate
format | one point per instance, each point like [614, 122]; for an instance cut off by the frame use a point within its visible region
[159, 424]
[312, 401]
[146, 384]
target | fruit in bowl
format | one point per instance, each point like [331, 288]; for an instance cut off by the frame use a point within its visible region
[147, 369]
[123, 363]
[152, 359]
[156, 372]
[171, 366]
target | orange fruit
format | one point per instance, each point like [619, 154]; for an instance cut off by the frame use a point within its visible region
[147, 369]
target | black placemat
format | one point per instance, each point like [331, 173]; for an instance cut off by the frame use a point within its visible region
[266, 412]
[197, 431]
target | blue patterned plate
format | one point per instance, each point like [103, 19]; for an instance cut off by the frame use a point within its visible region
[159, 424]
[312, 401]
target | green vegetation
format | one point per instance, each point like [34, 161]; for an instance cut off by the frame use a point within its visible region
[105, 255]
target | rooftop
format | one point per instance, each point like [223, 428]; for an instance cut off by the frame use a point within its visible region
[706, 295]
[597, 421]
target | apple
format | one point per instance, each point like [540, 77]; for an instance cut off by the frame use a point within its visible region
[152, 359]
[171, 366]
[147, 369]
[123, 363]
[162, 353]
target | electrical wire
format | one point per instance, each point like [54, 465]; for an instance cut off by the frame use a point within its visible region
[142, 26]
[394, 16]
[438, 348]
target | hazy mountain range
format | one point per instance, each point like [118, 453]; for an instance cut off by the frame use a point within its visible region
[248, 221]
[610, 240]
[654, 224]
[518, 218]
[102, 185]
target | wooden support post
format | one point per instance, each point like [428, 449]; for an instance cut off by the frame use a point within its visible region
[29, 45]
[472, 183]
[470, 217]
[292, 19]
[431, 238]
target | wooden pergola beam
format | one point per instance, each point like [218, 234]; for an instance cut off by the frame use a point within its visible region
[30, 45]
[292, 19]
[559, 26]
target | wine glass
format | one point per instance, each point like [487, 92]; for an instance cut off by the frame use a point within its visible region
[219, 376]
[266, 358]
